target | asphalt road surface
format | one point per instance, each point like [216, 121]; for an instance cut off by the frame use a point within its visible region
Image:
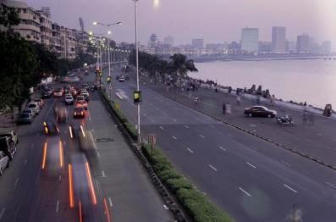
[251, 179]
[51, 179]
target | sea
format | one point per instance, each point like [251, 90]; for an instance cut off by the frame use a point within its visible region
[311, 81]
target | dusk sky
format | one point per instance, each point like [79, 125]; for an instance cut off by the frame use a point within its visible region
[213, 20]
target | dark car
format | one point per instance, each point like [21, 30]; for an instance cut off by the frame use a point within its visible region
[46, 94]
[260, 111]
[50, 128]
[25, 118]
[79, 112]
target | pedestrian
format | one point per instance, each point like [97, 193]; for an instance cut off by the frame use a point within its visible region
[224, 108]
[238, 100]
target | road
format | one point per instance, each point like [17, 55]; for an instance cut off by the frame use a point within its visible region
[251, 179]
[112, 186]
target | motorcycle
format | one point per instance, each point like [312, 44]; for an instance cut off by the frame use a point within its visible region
[285, 120]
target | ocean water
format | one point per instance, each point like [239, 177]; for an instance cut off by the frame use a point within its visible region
[313, 81]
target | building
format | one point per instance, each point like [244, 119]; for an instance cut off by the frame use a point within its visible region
[326, 47]
[45, 27]
[29, 27]
[56, 45]
[278, 39]
[303, 44]
[250, 40]
[291, 47]
[197, 43]
[265, 47]
[168, 40]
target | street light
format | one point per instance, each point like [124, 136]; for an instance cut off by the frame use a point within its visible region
[109, 78]
[137, 66]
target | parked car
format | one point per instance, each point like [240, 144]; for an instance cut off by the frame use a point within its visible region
[79, 112]
[34, 106]
[69, 100]
[260, 111]
[4, 162]
[11, 133]
[25, 118]
[7, 146]
[39, 101]
[30, 112]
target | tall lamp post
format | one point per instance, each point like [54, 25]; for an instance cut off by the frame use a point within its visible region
[109, 78]
[137, 67]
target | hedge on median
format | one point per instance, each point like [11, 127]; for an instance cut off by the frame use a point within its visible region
[123, 119]
[195, 203]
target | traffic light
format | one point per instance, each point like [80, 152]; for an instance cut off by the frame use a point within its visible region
[137, 96]
[108, 79]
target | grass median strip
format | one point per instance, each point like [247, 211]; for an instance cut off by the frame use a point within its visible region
[195, 203]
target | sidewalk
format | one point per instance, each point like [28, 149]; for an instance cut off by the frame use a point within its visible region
[316, 140]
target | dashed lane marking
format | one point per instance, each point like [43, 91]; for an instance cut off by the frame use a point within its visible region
[251, 165]
[213, 168]
[190, 150]
[110, 202]
[245, 192]
[174, 137]
[222, 148]
[290, 188]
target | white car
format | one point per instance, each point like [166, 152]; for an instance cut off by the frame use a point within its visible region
[34, 106]
[69, 100]
[84, 92]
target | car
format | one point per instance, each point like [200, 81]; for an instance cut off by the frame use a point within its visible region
[11, 133]
[34, 106]
[4, 162]
[58, 92]
[39, 101]
[79, 112]
[7, 146]
[25, 118]
[46, 94]
[61, 114]
[86, 97]
[81, 103]
[121, 78]
[84, 92]
[30, 112]
[68, 99]
[259, 111]
[50, 128]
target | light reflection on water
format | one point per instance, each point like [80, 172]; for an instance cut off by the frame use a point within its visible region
[313, 81]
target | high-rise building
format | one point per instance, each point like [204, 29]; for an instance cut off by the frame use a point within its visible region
[278, 39]
[326, 47]
[168, 40]
[250, 40]
[303, 44]
[197, 43]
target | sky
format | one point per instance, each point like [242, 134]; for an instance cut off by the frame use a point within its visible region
[216, 21]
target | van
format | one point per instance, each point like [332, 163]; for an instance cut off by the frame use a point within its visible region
[9, 133]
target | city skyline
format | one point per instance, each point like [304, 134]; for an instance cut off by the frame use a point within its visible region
[216, 26]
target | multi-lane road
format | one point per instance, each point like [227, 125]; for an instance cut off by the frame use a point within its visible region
[251, 179]
[50, 179]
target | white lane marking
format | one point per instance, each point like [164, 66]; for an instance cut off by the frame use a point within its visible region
[2, 212]
[57, 206]
[161, 127]
[213, 168]
[25, 162]
[89, 117]
[331, 185]
[174, 120]
[60, 177]
[289, 188]
[103, 173]
[190, 150]
[165, 207]
[16, 182]
[222, 148]
[251, 165]
[110, 202]
[245, 192]
[185, 126]
[202, 136]
[174, 137]
[98, 154]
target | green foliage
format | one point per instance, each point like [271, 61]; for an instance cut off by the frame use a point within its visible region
[178, 65]
[195, 203]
